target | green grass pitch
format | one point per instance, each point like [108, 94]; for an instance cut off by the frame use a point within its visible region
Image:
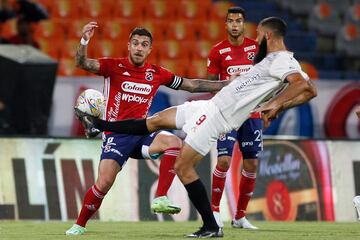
[28, 230]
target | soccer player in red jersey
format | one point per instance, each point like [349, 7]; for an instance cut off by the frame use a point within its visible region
[233, 55]
[130, 84]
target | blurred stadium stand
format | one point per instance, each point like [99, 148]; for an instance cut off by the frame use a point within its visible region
[323, 33]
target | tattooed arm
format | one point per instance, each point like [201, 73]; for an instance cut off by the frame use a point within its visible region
[91, 65]
[202, 85]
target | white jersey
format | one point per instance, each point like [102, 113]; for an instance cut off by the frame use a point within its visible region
[260, 83]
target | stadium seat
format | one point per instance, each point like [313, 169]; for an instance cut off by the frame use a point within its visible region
[182, 30]
[156, 27]
[302, 9]
[213, 30]
[65, 9]
[193, 9]
[75, 26]
[161, 9]
[341, 6]
[50, 46]
[105, 48]
[177, 66]
[219, 9]
[129, 9]
[51, 29]
[45, 3]
[67, 67]
[250, 29]
[97, 8]
[301, 41]
[198, 68]
[173, 49]
[69, 47]
[353, 14]
[348, 40]
[324, 19]
[8, 28]
[116, 29]
[200, 49]
[310, 69]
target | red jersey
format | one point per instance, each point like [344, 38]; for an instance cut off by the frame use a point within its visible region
[129, 90]
[226, 59]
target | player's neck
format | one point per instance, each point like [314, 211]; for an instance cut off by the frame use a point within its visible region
[276, 45]
[132, 63]
[236, 41]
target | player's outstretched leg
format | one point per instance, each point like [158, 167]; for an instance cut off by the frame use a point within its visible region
[163, 205]
[76, 230]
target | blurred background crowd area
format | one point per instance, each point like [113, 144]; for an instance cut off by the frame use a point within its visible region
[324, 34]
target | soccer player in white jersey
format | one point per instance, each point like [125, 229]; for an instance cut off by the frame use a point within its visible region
[275, 83]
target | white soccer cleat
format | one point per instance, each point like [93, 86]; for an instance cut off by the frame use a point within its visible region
[76, 230]
[356, 201]
[242, 223]
[218, 220]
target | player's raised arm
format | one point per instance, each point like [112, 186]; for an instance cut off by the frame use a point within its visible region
[297, 92]
[91, 65]
[202, 85]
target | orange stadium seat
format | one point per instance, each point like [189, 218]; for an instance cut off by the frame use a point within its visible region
[97, 8]
[219, 10]
[198, 68]
[177, 66]
[50, 46]
[51, 28]
[8, 28]
[116, 29]
[213, 30]
[183, 30]
[200, 49]
[65, 9]
[107, 48]
[173, 49]
[156, 27]
[310, 70]
[160, 9]
[193, 9]
[129, 9]
[69, 47]
[75, 26]
[250, 30]
[67, 67]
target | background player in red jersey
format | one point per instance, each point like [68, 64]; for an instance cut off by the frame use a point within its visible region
[235, 55]
[129, 87]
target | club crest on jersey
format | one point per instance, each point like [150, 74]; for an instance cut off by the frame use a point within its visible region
[149, 76]
[251, 56]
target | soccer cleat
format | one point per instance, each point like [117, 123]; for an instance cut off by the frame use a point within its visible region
[88, 123]
[76, 230]
[242, 223]
[206, 233]
[356, 201]
[163, 205]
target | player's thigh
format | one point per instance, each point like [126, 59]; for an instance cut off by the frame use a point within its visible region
[107, 171]
[165, 119]
[250, 138]
[164, 140]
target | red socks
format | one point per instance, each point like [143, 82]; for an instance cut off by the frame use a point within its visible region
[217, 188]
[246, 189]
[91, 204]
[166, 171]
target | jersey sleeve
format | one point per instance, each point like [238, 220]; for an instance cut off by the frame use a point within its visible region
[213, 65]
[105, 66]
[169, 79]
[283, 66]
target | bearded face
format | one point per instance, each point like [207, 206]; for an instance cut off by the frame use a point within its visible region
[262, 51]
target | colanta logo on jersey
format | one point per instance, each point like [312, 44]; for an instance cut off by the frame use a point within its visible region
[139, 88]
[238, 69]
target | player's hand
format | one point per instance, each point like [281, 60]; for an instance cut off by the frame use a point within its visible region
[88, 30]
[269, 112]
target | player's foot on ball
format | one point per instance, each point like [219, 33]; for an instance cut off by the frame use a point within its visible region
[242, 223]
[88, 123]
[206, 233]
[76, 230]
[163, 205]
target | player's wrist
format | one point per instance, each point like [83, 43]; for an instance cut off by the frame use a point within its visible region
[84, 41]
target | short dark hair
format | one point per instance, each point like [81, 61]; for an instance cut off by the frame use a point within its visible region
[236, 10]
[141, 32]
[276, 24]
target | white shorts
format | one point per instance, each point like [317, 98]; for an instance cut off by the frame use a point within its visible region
[202, 122]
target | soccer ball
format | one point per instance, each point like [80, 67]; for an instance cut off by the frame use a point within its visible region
[91, 102]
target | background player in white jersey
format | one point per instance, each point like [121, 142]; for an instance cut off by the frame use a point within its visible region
[130, 84]
[233, 55]
[276, 82]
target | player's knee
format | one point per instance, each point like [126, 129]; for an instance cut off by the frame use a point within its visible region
[224, 162]
[172, 141]
[104, 183]
[250, 165]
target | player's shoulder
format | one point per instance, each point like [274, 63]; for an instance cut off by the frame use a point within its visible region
[222, 44]
[250, 43]
[155, 68]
